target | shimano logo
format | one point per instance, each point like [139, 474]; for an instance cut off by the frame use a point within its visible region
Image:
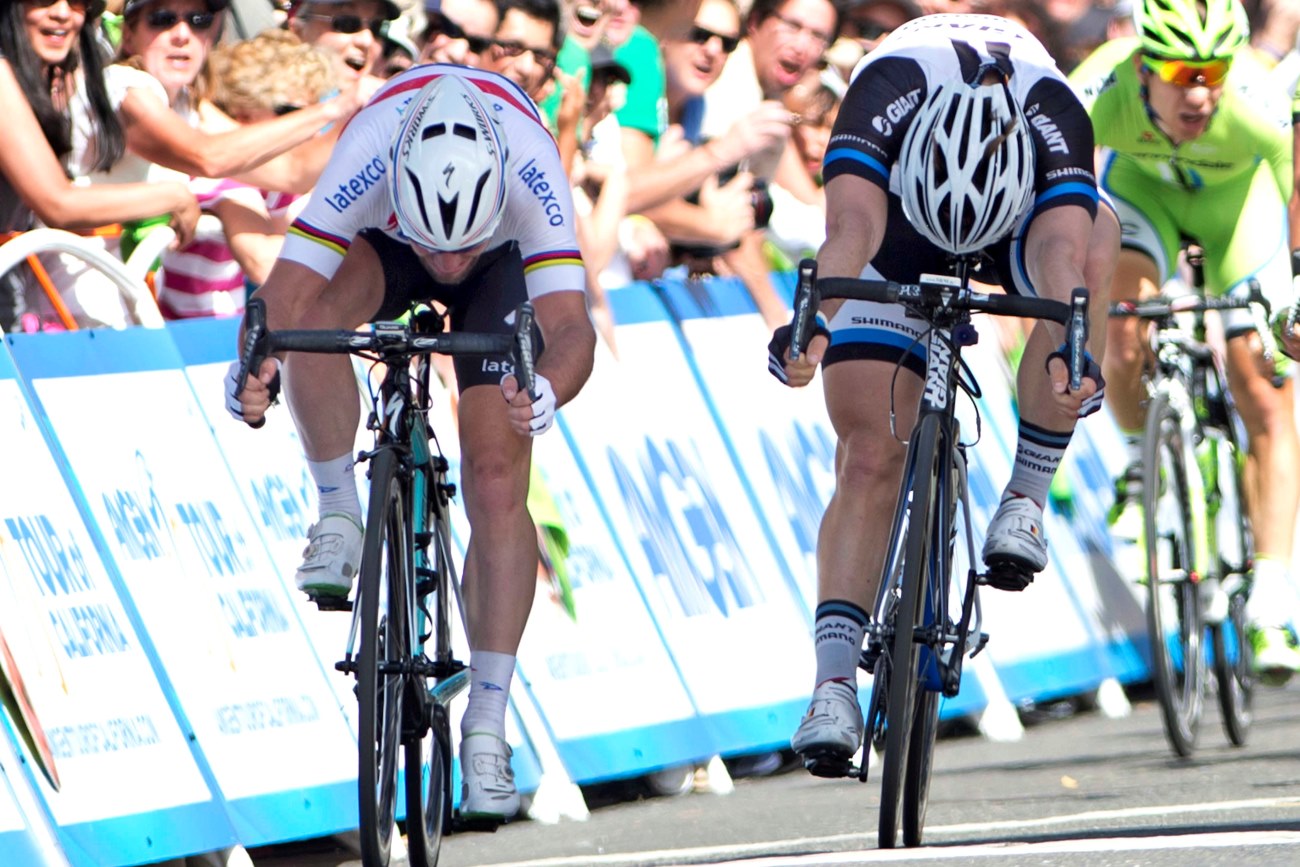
[535, 179]
[896, 111]
[936, 381]
[1051, 134]
[346, 194]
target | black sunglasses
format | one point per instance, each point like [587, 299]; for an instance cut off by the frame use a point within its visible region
[284, 108]
[349, 23]
[166, 19]
[701, 36]
[513, 48]
[868, 30]
[441, 24]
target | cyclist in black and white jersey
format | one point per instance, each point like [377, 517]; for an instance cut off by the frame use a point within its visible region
[446, 186]
[958, 135]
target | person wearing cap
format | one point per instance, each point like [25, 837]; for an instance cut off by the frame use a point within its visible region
[398, 52]
[458, 31]
[351, 31]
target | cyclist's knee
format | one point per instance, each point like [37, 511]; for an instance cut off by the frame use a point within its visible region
[870, 460]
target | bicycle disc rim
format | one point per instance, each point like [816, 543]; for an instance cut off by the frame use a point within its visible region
[920, 760]
[428, 794]
[1173, 599]
[904, 652]
[384, 561]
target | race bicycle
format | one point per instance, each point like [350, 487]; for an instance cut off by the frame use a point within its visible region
[1196, 534]
[400, 642]
[923, 624]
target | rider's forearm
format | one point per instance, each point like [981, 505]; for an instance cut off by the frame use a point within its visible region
[567, 359]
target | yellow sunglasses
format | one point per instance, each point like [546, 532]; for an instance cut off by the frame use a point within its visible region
[1187, 73]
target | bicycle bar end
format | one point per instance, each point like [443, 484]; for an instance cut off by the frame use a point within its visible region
[524, 354]
[806, 303]
[1077, 336]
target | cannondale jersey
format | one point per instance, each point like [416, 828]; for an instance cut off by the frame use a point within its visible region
[352, 193]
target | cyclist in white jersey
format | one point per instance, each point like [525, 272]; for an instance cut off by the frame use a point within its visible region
[958, 135]
[446, 186]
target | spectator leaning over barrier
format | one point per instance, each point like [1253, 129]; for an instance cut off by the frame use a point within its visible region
[371, 260]
[1028, 206]
[458, 31]
[51, 70]
[350, 31]
[1189, 155]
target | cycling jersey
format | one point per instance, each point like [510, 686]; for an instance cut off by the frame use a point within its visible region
[352, 193]
[1226, 189]
[887, 88]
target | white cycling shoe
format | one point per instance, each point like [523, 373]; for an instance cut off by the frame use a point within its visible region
[332, 556]
[832, 727]
[487, 780]
[1015, 547]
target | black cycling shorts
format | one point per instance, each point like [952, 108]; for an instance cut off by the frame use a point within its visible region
[482, 303]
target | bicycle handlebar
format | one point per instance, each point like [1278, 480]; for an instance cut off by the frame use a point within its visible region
[939, 294]
[1163, 307]
[387, 339]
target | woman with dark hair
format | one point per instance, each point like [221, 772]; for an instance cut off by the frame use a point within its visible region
[50, 61]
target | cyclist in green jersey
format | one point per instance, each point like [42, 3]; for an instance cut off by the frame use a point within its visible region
[1188, 148]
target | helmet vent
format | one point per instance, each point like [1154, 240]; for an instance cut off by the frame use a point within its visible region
[464, 131]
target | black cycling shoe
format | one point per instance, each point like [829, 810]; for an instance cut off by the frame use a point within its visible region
[1007, 574]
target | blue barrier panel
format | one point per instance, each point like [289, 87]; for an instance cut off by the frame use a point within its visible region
[780, 438]
[149, 475]
[131, 788]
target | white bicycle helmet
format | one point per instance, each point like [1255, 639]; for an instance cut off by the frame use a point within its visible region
[448, 168]
[967, 166]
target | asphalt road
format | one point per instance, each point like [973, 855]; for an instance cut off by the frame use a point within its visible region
[1078, 788]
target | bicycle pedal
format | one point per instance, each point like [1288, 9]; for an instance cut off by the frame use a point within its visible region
[1007, 575]
[325, 602]
[480, 822]
[829, 765]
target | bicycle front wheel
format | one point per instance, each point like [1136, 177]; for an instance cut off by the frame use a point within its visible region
[897, 800]
[384, 654]
[1174, 624]
[428, 757]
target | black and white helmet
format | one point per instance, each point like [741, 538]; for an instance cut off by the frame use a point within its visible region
[966, 170]
[448, 167]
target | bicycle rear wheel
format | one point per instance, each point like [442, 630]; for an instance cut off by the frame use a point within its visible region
[384, 654]
[1174, 624]
[428, 792]
[1233, 654]
[896, 799]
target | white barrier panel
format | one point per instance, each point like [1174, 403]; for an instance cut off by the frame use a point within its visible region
[649, 445]
[782, 438]
[95, 718]
[604, 678]
[21, 841]
[248, 684]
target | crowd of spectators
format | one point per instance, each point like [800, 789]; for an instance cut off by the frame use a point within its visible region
[694, 128]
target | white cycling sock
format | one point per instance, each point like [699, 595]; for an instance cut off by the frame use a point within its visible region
[838, 632]
[1272, 599]
[1038, 454]
[336, 486]
[1133, 445]
[489, 688]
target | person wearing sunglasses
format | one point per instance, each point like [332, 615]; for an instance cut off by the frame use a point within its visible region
[1193, 149]
[50, 61]
[459, 31]
[351, 31]
[468, 147]
[525, 45]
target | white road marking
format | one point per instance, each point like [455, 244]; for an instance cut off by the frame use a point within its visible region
[746, 852]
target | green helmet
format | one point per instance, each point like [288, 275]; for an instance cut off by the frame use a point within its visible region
[1191, 29]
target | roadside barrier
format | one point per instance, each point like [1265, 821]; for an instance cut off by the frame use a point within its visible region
[167, 691]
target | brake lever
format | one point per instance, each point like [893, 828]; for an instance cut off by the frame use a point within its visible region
[253, 351]
[524, 355]
[807, 301]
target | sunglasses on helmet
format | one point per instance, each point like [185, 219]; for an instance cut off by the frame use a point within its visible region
[1189, 73]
